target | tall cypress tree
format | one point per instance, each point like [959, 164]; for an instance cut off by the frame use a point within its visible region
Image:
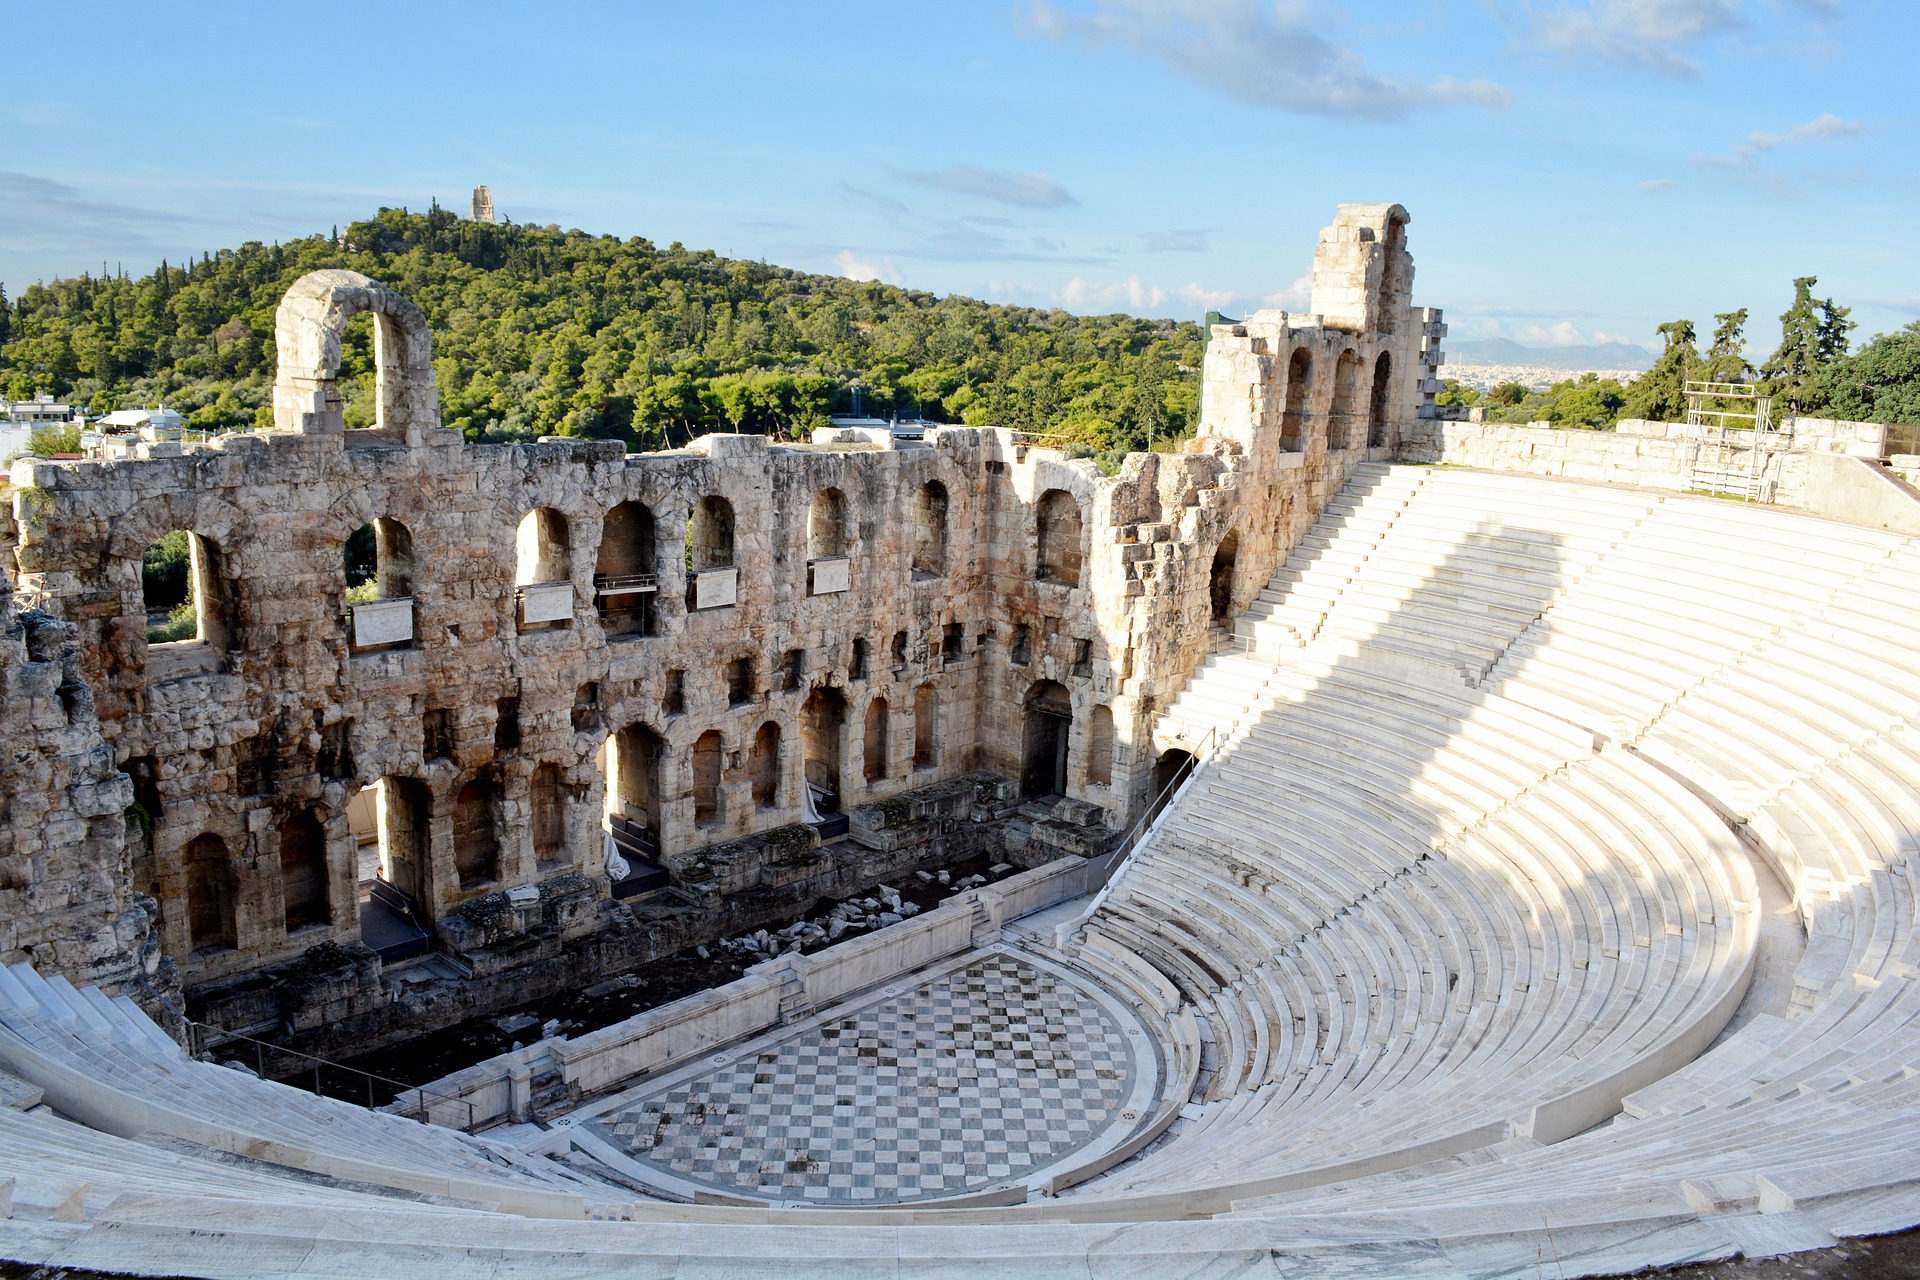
[6, 316]
[1660, 394]
[1727, 357]
[1793, 363]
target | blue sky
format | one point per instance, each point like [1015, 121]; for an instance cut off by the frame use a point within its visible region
[1576, 169]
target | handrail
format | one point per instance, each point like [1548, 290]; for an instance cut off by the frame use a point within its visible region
[618, 581]
[198, 1047]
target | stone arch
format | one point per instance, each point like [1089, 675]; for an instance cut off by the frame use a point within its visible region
[823, 723]
[202, 584]
[312, 315]
[625, 574]
[1057, 528]
[303, 871]
[476, 839]
[636, 790]
[1380, 405]
[1100, 747]
[709, 751]
[874, 755]
[1394, 293]
[1343, 417]
[406, 834]
[380, 552]
[827, 525]
[1220, 578]
[930, 507]
[210, 897]
[542, 548]
[710, 534]
[764, 765]
[1299, 404]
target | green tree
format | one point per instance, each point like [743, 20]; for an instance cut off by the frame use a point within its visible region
[46, 442]
[1505, 395]
[1453, 392]
[1660, 394]
[1727, 357]
[1878, 383]
[1813, 335]
[6, 316]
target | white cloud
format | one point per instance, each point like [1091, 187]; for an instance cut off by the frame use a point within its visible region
[1201, 298]
[1081, 294]
[1297, 296]
[1027, 190]
[1268, 57]
[1563, 334]
[1825, 127]
[1646, 33]
[1656, 184]
[855, 266]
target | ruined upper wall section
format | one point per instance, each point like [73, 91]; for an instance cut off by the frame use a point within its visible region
[1362, 272]
[307, 329]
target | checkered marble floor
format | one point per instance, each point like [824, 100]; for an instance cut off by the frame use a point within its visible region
[981, 1075]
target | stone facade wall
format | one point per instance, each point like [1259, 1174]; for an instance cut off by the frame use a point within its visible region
[1067, 608]
[66, 905]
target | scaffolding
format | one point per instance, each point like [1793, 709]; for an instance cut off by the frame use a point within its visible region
[1731, 440]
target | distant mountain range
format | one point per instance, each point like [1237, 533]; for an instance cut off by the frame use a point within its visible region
[1623, 356]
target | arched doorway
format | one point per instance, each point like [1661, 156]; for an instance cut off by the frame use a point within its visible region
[1048, 732]
[1382, 402]
[1169, 771]
[303, 871]
[633, 777]
[1220, 578]
[823, 722]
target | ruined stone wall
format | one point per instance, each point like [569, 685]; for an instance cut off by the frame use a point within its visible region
[1031, 618]
[65, 903]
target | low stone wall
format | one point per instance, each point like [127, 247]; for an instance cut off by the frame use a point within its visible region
[780, 990]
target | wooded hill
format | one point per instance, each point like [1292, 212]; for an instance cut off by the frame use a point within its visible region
[539, 331]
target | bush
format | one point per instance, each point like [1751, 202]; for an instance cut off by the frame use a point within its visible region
[181, 624]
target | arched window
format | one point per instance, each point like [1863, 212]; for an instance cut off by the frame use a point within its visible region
[875, 756]
[542, 548]
[1299, 400]
[379, 562]
[1057, 526]
[1344, 417]
[476, 847]
[707, 751]
[711, 583]
[303, 871]
[548, 802]
[543, 569]
[827, 525]
[1220, 579]
[1048, 732]
[1378, 428]
[624, 580]
[930, 530]
[209, 894]
[926, 727]
[181, 591]
[766, 766]
[822, 725]
[379, 566]
[710, 535]
[1100, 748]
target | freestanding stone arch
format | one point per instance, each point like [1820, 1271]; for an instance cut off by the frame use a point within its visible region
[307, 328]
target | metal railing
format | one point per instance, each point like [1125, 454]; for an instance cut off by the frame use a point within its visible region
[608, 584]
[201, 1039]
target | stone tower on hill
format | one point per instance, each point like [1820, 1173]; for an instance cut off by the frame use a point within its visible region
[482, 210]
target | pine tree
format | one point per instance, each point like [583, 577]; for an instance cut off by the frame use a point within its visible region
[6, 316]
[1660, 394]
[1794, 363]
[1832, 341]
[1727, 358]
